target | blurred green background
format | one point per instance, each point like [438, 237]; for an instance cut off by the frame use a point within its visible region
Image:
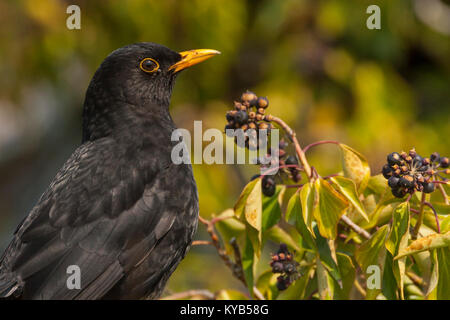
[323, 71]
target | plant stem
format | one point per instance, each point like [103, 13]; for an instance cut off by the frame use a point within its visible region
[318, 143]
[444, 194]
[298, 149]
[236, 267]
[309, 171]
[190, 293]
[419, 218]
[355, 227]
[435, 216]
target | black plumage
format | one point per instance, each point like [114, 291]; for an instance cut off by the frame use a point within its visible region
[119, 208]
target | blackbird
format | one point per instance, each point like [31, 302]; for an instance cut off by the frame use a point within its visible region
[119, 212]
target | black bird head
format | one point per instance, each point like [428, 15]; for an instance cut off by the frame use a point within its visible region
[133, 81]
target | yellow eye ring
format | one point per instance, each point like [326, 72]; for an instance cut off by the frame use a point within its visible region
[149, 68]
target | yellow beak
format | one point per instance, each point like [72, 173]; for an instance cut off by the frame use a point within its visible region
[192, 57]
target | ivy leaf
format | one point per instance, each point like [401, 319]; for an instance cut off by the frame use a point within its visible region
[308, 202]
[229, 228]
[294, 208]
[439, 287]
[326, 257]
[432, 241]
[266, 284]
[253, 207]
[331, 206]
[279, 235]
[355, 166]
[325, 282]
[398, 240]
[239, 207]
[348, 188]
[372, 252]
[443, 285]
[348, 272]
[271, 208]
[249, 261]
[249, 210]
[297, 291]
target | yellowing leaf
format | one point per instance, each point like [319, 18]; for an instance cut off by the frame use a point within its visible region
[294, 208]
[271, 207]
[433, 241]
[239, 207]
[253, 207]
[355, 166]
[397, 240]
[308, 202]
[348, 188]
[325, 283]
[331, 206]
[373, 252]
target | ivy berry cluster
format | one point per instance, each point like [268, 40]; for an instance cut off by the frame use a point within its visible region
[293, 173]
[409, 172]
[283, 263]
[249, 113]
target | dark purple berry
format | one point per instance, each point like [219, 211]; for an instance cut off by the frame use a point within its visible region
[387, 171]
[268, 186]
[393, 182]
[394, 158]
[241, 117]
[444, 162]
[283, 249]
[435, 157]
[277, 267]
[282, 283]
[428, 187]
[289, 268]
[398, 192]
[291, 160]
[406, 181]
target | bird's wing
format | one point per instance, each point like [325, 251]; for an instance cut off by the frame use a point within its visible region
[96, 208]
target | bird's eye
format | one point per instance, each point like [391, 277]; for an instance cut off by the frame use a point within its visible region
[149, 65]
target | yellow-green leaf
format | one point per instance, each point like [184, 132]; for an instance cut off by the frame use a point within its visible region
[433, 241]
[348, 188]
[373, 252]
[325, 283]
[271, 208]
[331, 206]
[308, 202]
[253, 207]
[398, 240]
[229, 228]
[355, 166]
[239, 207]
[294, 208]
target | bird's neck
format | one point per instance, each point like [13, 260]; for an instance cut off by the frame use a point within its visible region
[126, 121]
